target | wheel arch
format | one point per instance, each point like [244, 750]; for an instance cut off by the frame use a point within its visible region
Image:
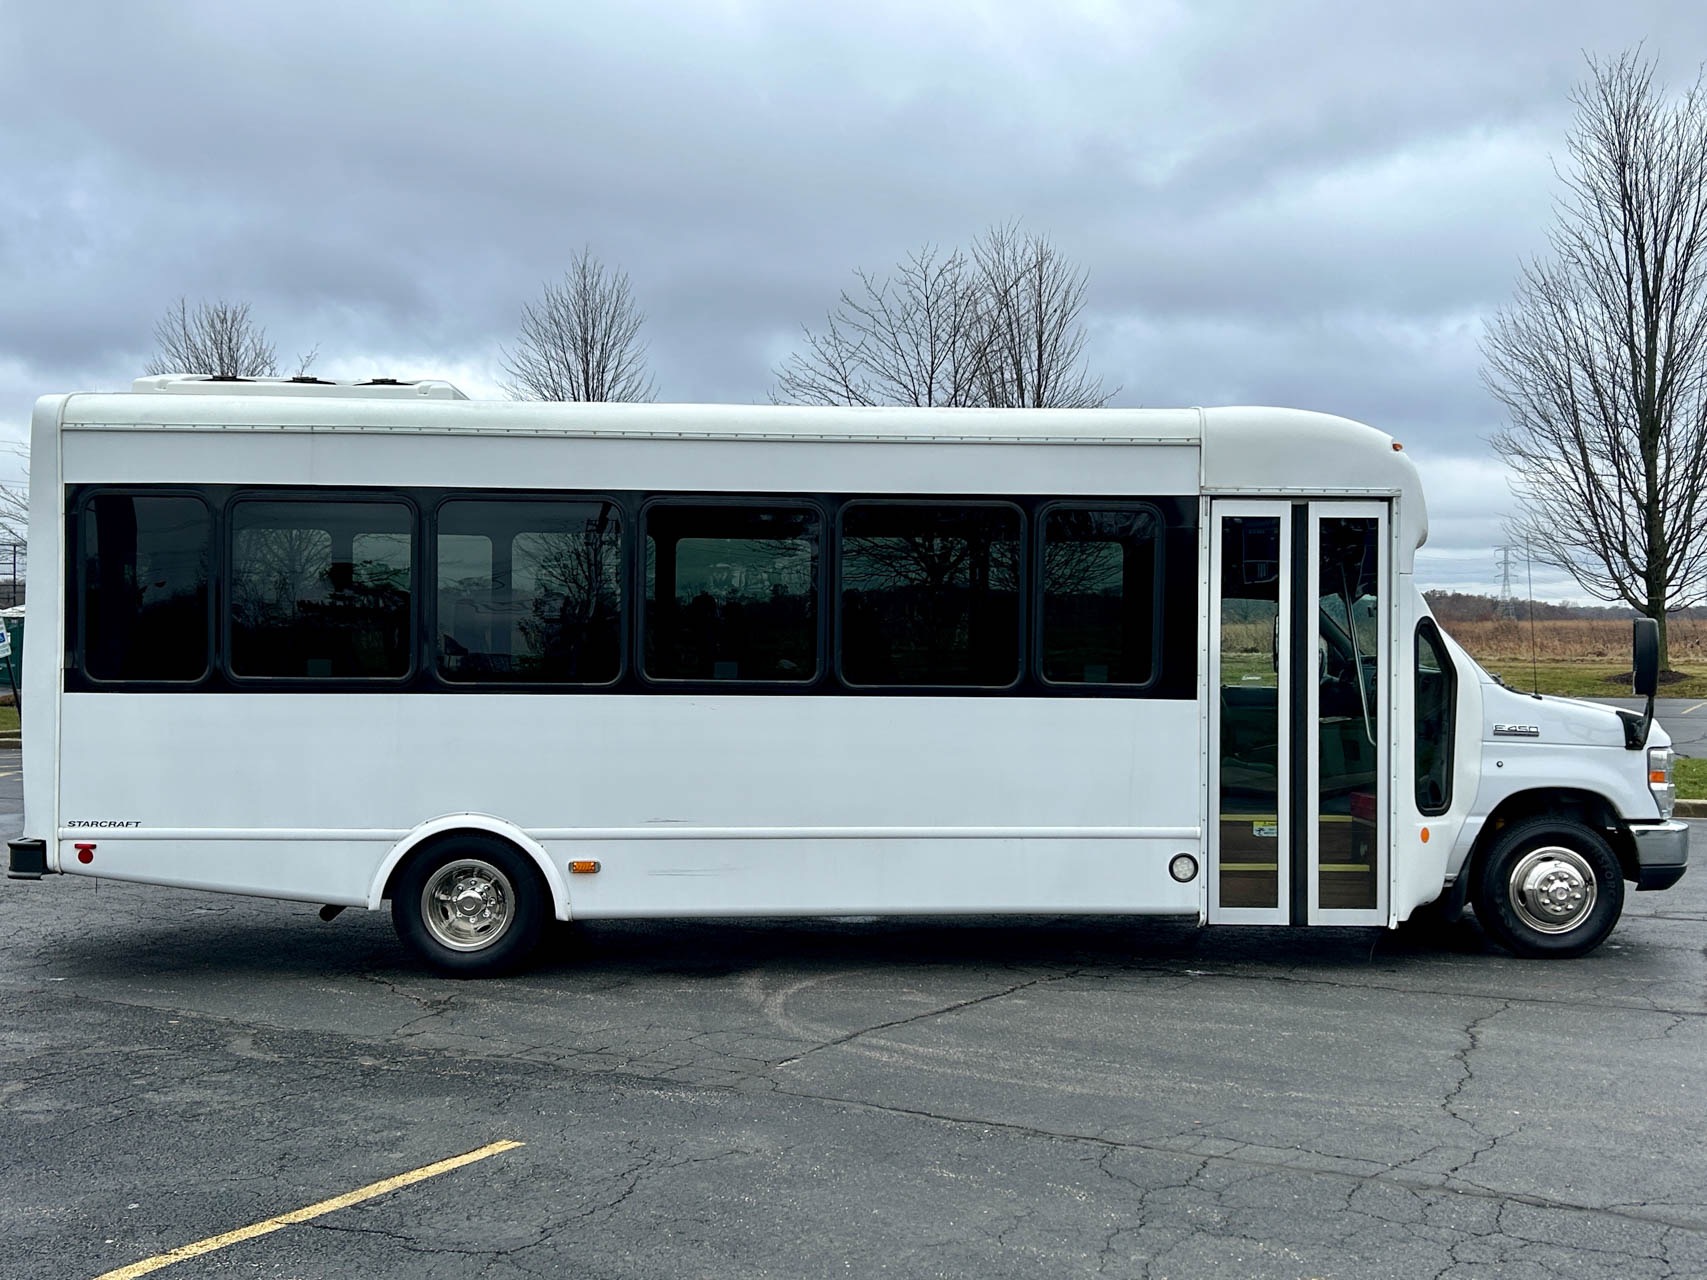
[451, 825]
[1587, 807]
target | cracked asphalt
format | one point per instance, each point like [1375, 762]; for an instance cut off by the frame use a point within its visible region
[814, 1098]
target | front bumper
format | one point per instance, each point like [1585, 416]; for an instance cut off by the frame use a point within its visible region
[1662, 853]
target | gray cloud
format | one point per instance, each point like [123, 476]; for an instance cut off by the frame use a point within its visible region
[1312, 203]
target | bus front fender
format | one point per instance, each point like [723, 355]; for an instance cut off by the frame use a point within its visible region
[486, 824]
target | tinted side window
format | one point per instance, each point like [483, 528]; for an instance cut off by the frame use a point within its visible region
[930, 594]
[146, 560]
[529, 591]
[1436, 709]
[731, 592]
[320, 589]
[1099, 595]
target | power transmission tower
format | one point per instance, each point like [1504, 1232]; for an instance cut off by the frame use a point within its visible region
[1507, 607]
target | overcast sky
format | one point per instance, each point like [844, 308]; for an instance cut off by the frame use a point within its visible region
[1307, 204]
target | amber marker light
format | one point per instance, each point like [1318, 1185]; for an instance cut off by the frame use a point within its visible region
[584, 867]
[1425, 835]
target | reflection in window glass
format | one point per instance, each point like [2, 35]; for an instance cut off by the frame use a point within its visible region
[320, 589]
[145, 596]
[1436, 697]
[529, 591]
[731, 592]
[1250, 803]
[930, 595]
[1350, 710]
[1099, 595]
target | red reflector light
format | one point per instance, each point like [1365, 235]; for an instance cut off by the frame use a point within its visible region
[85, 852]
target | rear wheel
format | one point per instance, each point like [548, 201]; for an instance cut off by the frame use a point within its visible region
[1550, 887]
[470, 907]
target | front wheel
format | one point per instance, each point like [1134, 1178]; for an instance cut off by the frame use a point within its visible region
[470, 907]
[1550, 887]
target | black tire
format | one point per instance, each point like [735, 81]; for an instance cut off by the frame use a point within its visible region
[470, 907]
[1575, 889]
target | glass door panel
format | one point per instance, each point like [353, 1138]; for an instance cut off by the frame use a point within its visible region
[1250, 738]
[1349, 713]
[1300, 670]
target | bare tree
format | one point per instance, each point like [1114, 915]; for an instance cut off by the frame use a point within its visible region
[15, 511]
[1034, 351]
[14, 541]
[999, 326]
[917, 337]
[1601, 360]
[14, 531]
[219, 339]
[582, 340]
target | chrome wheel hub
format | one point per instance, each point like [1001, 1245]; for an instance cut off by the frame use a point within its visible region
[1552, 889]
[467, 904]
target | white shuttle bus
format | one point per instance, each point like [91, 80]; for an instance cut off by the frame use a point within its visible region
[496, 664]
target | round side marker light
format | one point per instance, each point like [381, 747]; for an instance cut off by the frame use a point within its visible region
[1183, 867]
[85, 853]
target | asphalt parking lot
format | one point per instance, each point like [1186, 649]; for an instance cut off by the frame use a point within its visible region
[909, 1098]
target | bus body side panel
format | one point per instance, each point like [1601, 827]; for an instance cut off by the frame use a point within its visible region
[1576, 749]
[869, 873]
[214, 456]
[693, 805]
[44, 649]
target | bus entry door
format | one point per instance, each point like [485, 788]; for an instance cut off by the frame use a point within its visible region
[1300, 711]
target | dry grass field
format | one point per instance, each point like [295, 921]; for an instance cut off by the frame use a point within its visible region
[1581, 658]
[1575, 640]
[1572, 657]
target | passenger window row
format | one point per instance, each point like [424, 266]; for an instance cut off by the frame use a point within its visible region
[539, 589]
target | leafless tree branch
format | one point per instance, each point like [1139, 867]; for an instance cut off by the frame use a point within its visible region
[999, 326]
[219, 339]
[582, 340]
[1034, 298]
[15, 502]
[1601, 359]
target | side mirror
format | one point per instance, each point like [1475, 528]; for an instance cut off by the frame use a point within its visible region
[1645, 658]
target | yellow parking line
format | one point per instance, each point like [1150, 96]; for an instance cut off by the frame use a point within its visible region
[369, 1192]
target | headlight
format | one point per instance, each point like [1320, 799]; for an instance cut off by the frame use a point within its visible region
[1659, 779]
